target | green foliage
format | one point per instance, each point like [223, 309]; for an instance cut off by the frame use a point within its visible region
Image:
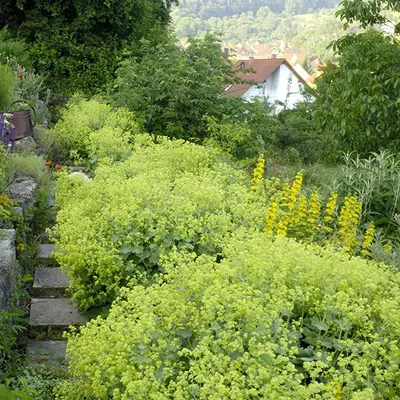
[24, 394]
[6, 86]
[12, 51]
[25, 164]
[367, 13]
[78, 120]
[305, 31]
[115, 138]
[271, 320]
[374, 180]
[11, 324]
[77, 45]
[172, 88]
[167, 195]
[357, 101]
[222, 8]
[40, 380]
[90, 129]
[298, 131]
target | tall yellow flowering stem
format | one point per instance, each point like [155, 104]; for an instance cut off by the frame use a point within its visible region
[348, 222]
[258, 173]
[368, 238]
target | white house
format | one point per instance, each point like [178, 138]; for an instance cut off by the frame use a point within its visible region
[274, 79]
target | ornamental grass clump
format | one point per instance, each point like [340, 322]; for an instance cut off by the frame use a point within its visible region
[166, 196]
[267, 320]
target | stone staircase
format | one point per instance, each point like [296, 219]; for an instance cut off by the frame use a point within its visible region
[51, 310]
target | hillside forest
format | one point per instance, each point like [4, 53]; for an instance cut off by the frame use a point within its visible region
[301, 24]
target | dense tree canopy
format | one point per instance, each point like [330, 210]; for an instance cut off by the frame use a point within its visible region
[367, 12]
[357, 100]
[81, 42]
[173, 88]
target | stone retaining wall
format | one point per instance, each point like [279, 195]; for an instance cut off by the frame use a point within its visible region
[22, 192]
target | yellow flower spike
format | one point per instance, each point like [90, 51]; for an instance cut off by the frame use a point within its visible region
[348, 221]
[368, 238]
[314, 210]
[330, 207]
[258, 173]
[285, 196]
[295, 190]
[282, 227]
[270, 216]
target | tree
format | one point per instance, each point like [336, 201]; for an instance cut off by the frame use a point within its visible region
[366, 12]
[79, 43]
[358, 100]
[173, 88]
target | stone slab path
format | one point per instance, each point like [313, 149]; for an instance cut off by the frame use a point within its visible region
[49, 282]
[50, 310]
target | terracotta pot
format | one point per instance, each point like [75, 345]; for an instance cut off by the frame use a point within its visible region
[21, 119]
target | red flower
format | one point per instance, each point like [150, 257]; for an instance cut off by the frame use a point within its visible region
[58, 167]
[47, 163]
[20, 76]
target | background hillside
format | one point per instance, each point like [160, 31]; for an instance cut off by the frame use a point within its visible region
[222, 8]
[309, 25]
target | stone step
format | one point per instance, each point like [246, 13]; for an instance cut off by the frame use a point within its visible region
[55, 313]
[46, 255]
[45, 250]
[49, 282]
[46, 351]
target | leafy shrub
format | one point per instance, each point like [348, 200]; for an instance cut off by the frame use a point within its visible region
[11, 324]
[168, 195]
[25, 164]
[272, 320]
[40, 380]
[78, 120]
[375, 182]
[6, 86]
[115, 139]
[91, 129]
[12, 49]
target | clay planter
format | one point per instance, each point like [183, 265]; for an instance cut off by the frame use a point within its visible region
[21, 120]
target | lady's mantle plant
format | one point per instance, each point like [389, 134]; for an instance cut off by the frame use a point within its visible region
[271, 320]
[167, 196]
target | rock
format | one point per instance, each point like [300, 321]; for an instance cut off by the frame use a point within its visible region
[45, 250]
[26, 144]
[7, 251]
[5, 292]
[18, 210]
[55, 313]
[47, 351]
[79, 175]
[23, 191]
[7, 264]
[49, 282]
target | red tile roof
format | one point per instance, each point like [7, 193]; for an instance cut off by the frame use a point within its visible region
[263, 69]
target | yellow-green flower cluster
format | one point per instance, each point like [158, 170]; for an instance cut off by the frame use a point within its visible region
[236, 329]
[258, 173]
[348, 222]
